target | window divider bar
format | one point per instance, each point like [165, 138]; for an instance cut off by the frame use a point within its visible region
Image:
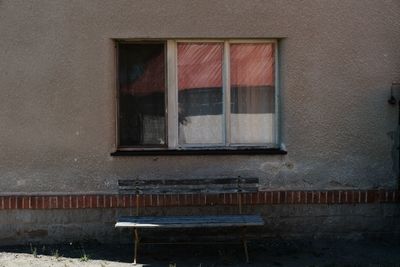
[277, 94]
[226, 94]
[172, 107]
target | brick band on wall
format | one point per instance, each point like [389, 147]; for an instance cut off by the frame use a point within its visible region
[161, 200]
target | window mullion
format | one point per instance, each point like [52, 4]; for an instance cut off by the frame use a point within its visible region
[277, 94]
[226, 94]
[172, 107]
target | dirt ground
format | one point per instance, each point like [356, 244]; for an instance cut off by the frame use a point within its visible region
[262, 253]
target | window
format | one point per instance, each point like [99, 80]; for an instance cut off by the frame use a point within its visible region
[179, 94]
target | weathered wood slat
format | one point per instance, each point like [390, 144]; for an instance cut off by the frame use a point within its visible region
[180, 182]
[171, 191]
[209, 186]
[189, 221]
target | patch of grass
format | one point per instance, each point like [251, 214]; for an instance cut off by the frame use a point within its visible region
[34, 251]
[55, 254]
[84, 256]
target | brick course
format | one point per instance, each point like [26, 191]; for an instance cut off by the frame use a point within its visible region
[93, 201]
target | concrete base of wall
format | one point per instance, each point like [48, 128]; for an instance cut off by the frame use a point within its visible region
[355, 221]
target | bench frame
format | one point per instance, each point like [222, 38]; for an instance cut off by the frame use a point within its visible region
[189, 186]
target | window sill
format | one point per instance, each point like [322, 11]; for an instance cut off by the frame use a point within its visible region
[202, 151]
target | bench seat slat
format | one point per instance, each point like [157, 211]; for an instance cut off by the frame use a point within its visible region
[189, 221]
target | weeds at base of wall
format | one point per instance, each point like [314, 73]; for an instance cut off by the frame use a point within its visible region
[33, 251]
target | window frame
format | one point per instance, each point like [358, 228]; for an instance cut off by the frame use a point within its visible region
[171, 98]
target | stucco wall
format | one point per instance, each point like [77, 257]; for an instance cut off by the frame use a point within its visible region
[57, 91]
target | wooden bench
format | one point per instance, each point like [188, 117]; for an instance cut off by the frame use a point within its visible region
[189, 186]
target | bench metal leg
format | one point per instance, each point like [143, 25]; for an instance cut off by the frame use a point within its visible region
[244, 241]
[136, 239]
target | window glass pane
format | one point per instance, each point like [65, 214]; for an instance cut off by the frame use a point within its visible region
[252, 78]
[200, 93]
[141, 94]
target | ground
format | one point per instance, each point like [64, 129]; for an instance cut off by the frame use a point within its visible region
[328, 253]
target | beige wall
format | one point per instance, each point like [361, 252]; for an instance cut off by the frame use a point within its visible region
[57, 90]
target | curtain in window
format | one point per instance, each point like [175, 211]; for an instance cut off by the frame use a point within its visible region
[200, 93]
[252, 78]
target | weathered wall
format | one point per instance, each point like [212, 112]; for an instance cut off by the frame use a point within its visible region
[57, 98]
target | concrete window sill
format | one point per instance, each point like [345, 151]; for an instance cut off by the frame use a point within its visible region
[202, 151]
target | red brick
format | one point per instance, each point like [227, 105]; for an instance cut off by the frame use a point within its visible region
[276, 197]
[309, 198]
[267, 197]
[106, 201]
[146, 200]
[372, 196]
[131, 201]
[356, 197]
[52, 202]
[212, 199]
[289, 197]
[149, 201]
[392, 196]
[39, 202]
[79, 201]
[329, 197]
[86, 201]
[284, 197]
[316, 196]
[323, 197]
[115, 201]
[340, 196]
[349, 196]
[7, 202]
[303, 197]
[161, 200]
[125, 201]
[183, 200]
[334, 197]
[34, 202]
[233, 199]
[167, 200]
[120, 201]
[255, 198]
[297, 197]
[66, 203]
[109, 201]
[362, 197]
[18, 202]
[47, 202]
[246, 199]
[59, 202]
[381, 195]
[74, 202]
[101, 201]
[25, 202]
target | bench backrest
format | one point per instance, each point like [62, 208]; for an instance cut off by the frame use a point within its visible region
[188, 186]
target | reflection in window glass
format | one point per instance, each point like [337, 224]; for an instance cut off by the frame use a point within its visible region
[252, 78]
[200, 93]
[141, 94]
